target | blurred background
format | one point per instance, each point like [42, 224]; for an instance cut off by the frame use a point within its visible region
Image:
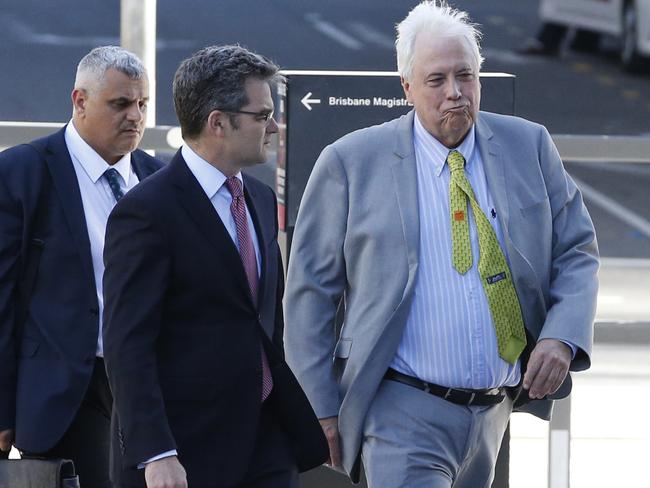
[579, 90]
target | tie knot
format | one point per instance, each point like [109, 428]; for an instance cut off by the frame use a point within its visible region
[455, 160]
[111, 174]
[234, 186]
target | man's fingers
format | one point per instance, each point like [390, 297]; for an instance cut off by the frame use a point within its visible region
[335, 450]
[531, 370]
[6, 439]
[331, 431]
[540, 384]
[165, 473]
[548, 365]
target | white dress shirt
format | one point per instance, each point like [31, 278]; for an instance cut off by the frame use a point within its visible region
[98, 201]
[213, 183]
[449, 338]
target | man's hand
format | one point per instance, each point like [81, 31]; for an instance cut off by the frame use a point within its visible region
[547, 367]
[165, 473]
[6, 439]
[330, 427]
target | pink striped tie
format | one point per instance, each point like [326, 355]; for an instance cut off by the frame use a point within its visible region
[247, 254]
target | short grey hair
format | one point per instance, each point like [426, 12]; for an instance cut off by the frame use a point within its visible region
[441, 20]
[215, 78]
[93, 66]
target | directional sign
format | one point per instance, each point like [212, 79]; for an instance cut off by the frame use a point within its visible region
[317, 107]
[307, 102]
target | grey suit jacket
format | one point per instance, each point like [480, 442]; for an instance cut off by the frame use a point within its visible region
[357, 238]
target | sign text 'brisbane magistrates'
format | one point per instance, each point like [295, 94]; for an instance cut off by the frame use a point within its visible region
[367, 102]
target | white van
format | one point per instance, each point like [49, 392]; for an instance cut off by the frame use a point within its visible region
[629, 20]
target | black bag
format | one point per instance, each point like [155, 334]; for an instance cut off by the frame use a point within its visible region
[38, 473]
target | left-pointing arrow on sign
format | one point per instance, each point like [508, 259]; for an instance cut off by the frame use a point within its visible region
[306, 101]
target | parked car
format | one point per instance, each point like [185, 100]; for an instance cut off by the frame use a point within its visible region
[628, 20]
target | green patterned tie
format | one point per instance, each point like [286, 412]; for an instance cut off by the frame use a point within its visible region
[492, 265]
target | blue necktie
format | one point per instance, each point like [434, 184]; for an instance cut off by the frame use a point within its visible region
[112, 177]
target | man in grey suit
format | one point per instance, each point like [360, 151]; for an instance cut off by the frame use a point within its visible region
[429, 363]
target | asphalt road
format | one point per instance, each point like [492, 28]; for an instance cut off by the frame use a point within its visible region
[41, 42]
[576, 93]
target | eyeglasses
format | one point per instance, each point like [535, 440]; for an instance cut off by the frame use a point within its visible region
[264, 115]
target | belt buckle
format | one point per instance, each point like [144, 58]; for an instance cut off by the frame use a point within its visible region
[451, 391]
[471, 398]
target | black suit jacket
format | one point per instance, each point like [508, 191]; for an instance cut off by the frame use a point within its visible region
[46, 284]
[182, 334]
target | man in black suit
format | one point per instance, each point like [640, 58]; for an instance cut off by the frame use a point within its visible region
[55, 197]
[193, 287]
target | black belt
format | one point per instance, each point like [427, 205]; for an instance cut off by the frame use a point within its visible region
[493, 396]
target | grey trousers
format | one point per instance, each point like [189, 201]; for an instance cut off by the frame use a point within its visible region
[414, 439]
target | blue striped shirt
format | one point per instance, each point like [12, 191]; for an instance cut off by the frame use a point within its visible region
[449, 336]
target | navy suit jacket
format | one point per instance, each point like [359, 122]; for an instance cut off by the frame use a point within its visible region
[183, 358]
[46, 284]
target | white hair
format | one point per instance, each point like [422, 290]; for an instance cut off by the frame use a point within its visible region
[439, 19]
[93, 66]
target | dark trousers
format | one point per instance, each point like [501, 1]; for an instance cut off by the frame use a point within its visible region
[87, 441]
[273, 465]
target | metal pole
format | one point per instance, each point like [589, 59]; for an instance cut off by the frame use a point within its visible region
[138, 35]
[559, 444]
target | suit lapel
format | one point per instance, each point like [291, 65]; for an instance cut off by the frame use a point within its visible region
[201, 211]
[495, 162]
[494, 166]
[406, 187]
[141, 166]
[66, 184]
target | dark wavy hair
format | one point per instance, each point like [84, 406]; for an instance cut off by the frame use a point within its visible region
[214, 78]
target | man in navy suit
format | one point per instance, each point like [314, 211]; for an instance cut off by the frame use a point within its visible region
[55, 197]
[193, 287]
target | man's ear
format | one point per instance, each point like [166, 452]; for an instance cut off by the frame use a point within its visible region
[79, 98]
[406, 86]
[217, 121]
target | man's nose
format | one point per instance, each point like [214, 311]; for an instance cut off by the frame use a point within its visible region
[136, 112]
[453, 90]
[272, 126]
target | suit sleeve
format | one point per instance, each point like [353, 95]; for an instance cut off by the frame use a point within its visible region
[574, 262]
[136, 279]
[316, 282]
[11, 228]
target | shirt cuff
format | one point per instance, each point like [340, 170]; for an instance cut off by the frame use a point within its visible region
[574, 349]
[171, 453]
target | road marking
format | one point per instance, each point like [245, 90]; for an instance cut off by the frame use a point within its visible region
[511, 57]
[21, 31]
[582, 67]
[631, 94]
[496, 20]
[616, 209]
[631, 169]
[515, 30]
[606, 80]
[372, 35]
[333, 32]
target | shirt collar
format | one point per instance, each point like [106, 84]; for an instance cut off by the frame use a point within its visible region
[439, 151]
[208, 176]
[92, 163]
